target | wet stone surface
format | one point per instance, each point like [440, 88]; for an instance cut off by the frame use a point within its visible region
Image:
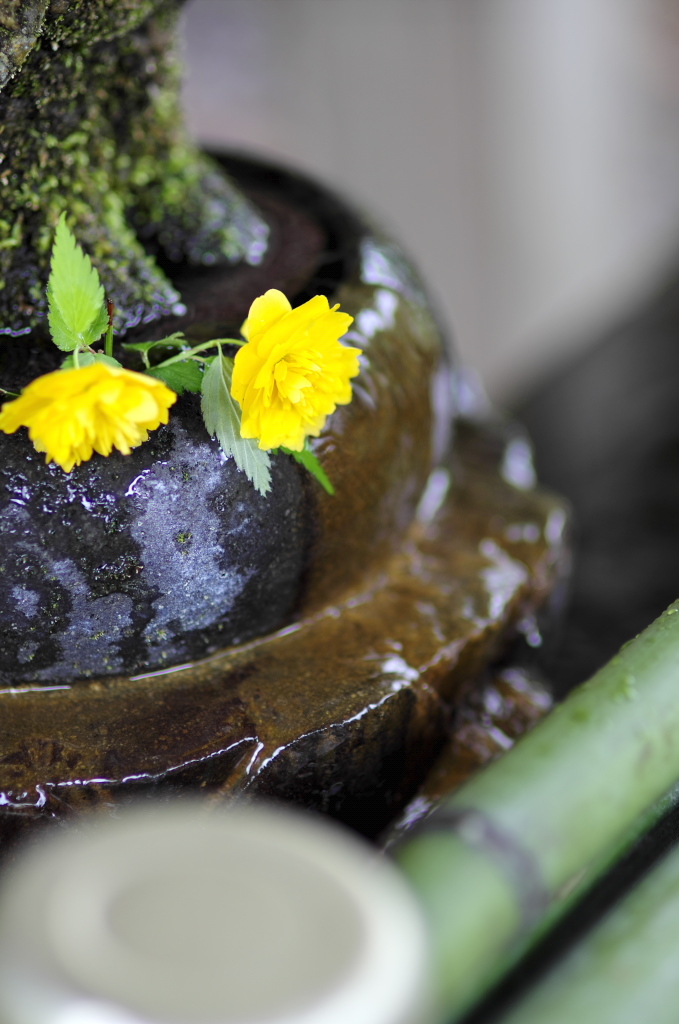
[506, 701]
[139, 561]
[345, 711]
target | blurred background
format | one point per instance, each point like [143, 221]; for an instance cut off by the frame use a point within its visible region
[526, 152]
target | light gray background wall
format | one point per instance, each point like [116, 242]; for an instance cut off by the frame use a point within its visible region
[525, 151]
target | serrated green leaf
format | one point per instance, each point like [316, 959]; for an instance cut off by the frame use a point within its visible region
[61, 336]
[180, 377]
[87, 358]
[75, 294]
[307, 459]
[222, 417]
[97, 327]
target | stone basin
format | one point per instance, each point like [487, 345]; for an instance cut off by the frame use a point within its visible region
[332, 677]
[167, 554]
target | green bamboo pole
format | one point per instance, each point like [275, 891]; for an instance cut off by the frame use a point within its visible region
[626, 971]
[506, 853]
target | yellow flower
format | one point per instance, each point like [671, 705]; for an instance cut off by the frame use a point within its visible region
[293, 371]
[96, 408]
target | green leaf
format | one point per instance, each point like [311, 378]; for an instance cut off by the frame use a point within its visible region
[87, 358]
[98, 327]
[222, 417]
[180, 377]
[84, 359]
[61, 336]
[77, 314]
[307, 459]
[175, 340]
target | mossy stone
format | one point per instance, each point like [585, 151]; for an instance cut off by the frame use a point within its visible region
[91, 125]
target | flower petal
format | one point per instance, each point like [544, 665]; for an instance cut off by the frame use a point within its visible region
[264, 312]
[72, 413]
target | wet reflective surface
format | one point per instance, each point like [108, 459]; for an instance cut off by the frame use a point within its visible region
[503, 704]
[343, 711]
[141, 561]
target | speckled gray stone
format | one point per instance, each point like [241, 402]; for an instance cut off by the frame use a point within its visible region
[134, 562]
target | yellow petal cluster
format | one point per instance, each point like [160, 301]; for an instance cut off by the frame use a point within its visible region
[72, 413]
[293, 371]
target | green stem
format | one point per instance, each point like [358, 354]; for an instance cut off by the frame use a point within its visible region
[623, 972]
[76, 360]
[516, 841]
[12, 394]
[217, 343]
[108, 344]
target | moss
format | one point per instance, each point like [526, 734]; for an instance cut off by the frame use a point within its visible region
[90, 124]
